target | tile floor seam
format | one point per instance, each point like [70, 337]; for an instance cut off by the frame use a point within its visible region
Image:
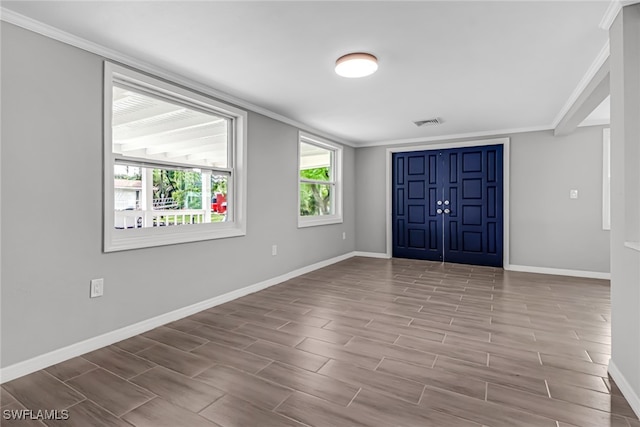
[100, 406]
[85, 372]
[354, 397]
[143, 403]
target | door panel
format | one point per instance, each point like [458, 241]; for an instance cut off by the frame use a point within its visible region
[417, 228]
[468, 182]
[474, 225]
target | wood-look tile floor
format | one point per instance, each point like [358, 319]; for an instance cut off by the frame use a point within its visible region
[365, 342]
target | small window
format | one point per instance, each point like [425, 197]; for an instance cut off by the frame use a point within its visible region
[174, 164]
[606, 179]
[319, 181]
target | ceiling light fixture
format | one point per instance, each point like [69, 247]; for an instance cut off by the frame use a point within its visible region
[354, 65]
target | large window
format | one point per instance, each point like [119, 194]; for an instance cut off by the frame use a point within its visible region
[174, 164]
[320, 180]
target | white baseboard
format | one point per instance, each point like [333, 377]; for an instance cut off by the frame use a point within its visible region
[372, 255]
[559, 271]
[60, 355]
[629, 393]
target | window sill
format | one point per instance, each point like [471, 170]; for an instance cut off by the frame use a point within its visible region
[122, 240]
[316, 221]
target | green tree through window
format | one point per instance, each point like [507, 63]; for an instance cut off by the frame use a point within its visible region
[315, 199]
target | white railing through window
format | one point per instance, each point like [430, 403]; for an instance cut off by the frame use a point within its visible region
[157, 218]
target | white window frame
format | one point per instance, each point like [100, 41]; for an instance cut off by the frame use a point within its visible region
[606, 179]
[336, 170]
[119, 240]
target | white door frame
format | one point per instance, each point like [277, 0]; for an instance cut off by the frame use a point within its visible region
[506, 159]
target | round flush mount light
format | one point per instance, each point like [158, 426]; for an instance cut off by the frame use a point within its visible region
[354, 65]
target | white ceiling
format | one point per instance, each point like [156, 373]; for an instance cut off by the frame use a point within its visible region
[481, 66]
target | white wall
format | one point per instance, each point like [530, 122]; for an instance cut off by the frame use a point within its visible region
[52, 149]
[548, 230]
[625, 262]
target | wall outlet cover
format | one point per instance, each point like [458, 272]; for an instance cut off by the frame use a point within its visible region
[97, 288]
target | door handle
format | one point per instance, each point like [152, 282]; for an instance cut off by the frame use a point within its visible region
[446, 202]
[439, 211]
[447, 211]
[439, 202]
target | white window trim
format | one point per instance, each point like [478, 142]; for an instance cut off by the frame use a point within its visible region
[606, 179]
[119, 240]
[336, 218]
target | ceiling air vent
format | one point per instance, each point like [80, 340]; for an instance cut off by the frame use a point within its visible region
[429, 122]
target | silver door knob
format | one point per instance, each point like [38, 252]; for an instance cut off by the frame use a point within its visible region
[439, 202]
[447, 211]
[439, 211]
[446, 202]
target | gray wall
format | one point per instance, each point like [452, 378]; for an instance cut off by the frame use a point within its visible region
[371, 199]
[51, 177]
[625, 262]
[547, 228]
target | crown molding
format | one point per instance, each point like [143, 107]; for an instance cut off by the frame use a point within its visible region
[584, 82]
[595, 122]
[46, 30]
[605, 23]
[51, 32]
[439, 138]
[610, 15]
[612, 11]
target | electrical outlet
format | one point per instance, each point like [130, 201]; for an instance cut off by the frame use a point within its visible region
[344, 235]
[573, 194]
[274, 250]
[97, 288]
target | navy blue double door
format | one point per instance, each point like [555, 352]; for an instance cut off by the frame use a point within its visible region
[448, 205]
